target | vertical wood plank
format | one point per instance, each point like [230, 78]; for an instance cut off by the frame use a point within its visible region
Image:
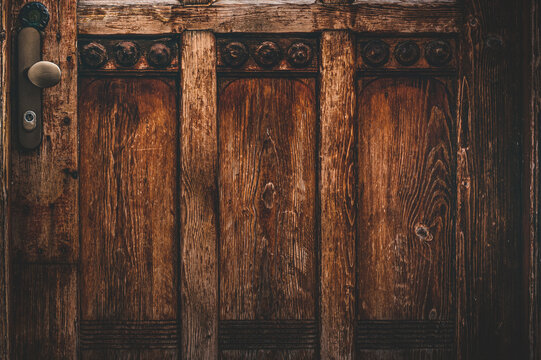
[5, 43]
[198, 196]
[337, 186]
[533, 185]
[44, 207]
[44, 313]
[489, 185]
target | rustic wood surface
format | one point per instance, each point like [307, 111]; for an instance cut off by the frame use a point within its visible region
[269, 18]
[337, 192]
[267, 183]
[405, 250]
[44, 208]
[43, 311]
[44, 213]
[198, 197]
[533, 231]
[405, 183]
[129, 237]
[5, 144]
[490, 298]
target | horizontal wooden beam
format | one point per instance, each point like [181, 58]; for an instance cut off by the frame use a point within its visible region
[267, 18]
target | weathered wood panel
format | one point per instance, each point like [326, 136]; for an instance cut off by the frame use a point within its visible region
[129, 236]
[267, 182]
[44, 313]
[44, 213]
[406, 187]
[268, 18]
[44, 207]
[405, 223]
[5, 144]
[533, 175]
[489, 193]
[337, 189]
[198, 197]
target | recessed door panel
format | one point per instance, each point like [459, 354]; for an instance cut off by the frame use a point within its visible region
[129, 237]
[267, 202]
[406, 210]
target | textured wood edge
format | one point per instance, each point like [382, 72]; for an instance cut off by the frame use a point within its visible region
[198, 194]
[269, 18]
[5, 43]
[533, 221]
[489, 230]
[337, 189]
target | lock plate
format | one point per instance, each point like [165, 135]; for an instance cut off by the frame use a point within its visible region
[29, 100]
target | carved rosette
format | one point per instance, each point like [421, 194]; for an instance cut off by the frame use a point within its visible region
[375, 53]
[235, 54]
[438, 52]
[93, 55]
[126, 53]
[268, 54]
[407, 53]
[34, 14]
[299, 54]
[159, 55]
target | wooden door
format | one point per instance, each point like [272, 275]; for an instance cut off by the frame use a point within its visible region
[274, 180]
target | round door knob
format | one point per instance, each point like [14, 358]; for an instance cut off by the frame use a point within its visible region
[44, 74]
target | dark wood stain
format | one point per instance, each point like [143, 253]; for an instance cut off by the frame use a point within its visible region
[128, 176]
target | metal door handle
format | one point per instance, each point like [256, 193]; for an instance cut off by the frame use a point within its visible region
[33, 74]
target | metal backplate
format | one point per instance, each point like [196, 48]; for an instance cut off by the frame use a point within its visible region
[29, 99]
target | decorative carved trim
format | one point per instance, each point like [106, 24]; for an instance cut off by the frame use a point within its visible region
[399, 53]
[266, 54]
[405, 334]
[267, 334]
[34, 14]
[128, 55]
[149, 334]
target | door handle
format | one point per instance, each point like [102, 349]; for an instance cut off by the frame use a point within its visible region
[33, 74]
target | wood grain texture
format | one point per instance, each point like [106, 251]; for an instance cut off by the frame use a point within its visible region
[44, 208]
[5, 151]
[44, 313]
[532, 155]
[198, 197]
[128, 177]
[337, 192]
[489, 192]
[268, 18]
[267, 199]
[44, 213]
[267, 182]
[406, 187]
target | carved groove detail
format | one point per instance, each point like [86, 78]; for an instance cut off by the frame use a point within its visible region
[247, 53]
[128, 55]
[150, 334]
[267, 334]
[405, 334]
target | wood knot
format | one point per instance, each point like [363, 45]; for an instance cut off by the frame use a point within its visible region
[159, 55]
[407, 53]
[438, 52]
[268, 195]
[234, 54]
[375, 53]
[299, 54]
[268, 54]
[423, 233]
[93, 55]
[126, 53]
